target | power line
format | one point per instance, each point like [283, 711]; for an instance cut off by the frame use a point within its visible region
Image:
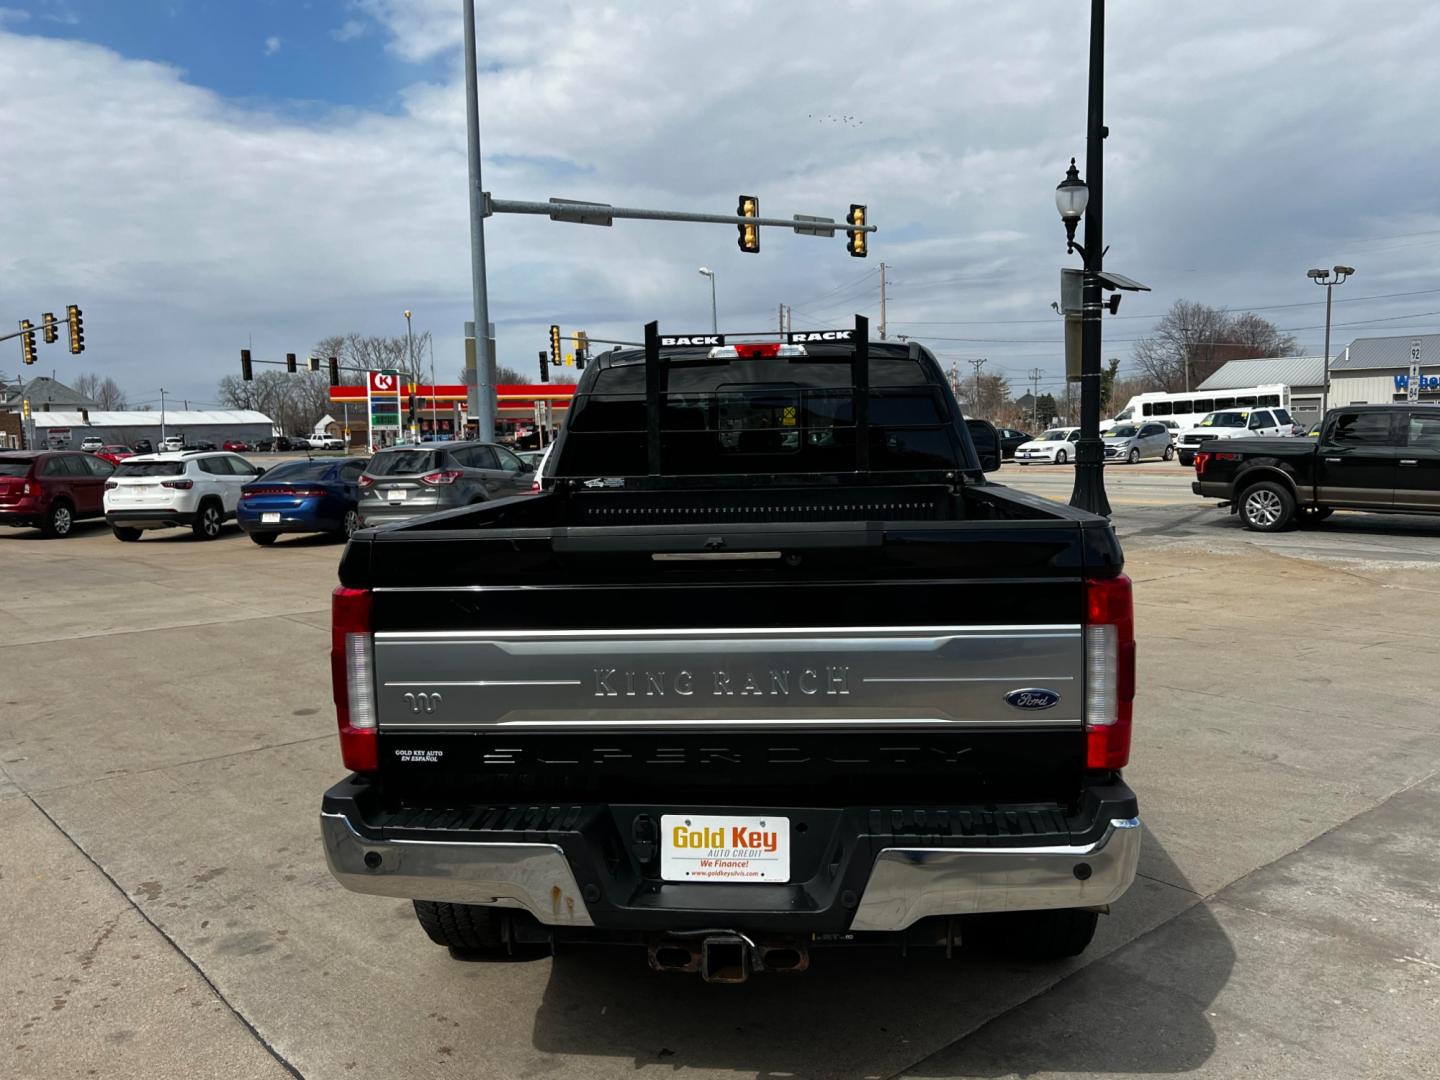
[1228, 308]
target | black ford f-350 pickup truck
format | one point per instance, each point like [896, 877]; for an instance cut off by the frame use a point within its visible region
[769, 664]
[1381, 458]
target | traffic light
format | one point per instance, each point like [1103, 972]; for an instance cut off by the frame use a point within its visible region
[314, 363]
[290, 362]
[544, 367]
[556, 357]
[246, 371]
[856, 244]
[582, 347]
[334, 371]
[25, 408]
[27, 341]
[77, 330]
[749, 206]
[48, 324]
[412, 408]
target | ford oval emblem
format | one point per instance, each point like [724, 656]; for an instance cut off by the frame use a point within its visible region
[1032, 699]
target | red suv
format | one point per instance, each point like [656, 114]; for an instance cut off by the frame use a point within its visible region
[51, 489]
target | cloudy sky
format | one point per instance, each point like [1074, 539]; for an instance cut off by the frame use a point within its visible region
[201, 175]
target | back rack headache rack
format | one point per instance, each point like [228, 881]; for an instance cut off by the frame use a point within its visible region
[657, 380]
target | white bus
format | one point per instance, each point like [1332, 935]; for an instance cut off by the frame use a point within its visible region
[1187, 410]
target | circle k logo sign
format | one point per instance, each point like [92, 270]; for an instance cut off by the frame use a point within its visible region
[381, 383]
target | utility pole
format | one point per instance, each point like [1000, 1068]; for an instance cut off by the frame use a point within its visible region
[782, 320]
[882, 301]
[479, 381]
[162, 418]
[1035, 375]
[977, 365]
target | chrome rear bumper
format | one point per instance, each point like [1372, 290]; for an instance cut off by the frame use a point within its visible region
[904, 886]
[909, 884]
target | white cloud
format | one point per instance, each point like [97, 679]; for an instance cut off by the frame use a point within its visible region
[13, 15]
[349, 30]
[1243, 150]
[272, 45]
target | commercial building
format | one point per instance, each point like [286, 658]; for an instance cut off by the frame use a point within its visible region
[67, 429]
[1377, 369]
[1305, 375]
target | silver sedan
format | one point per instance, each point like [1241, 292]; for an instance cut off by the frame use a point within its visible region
[1135, 442]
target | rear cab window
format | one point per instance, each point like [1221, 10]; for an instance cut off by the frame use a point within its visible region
[759, 415]
[1361, 429]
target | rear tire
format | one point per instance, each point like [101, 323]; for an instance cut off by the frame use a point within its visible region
[264, 539]
[466, 927]
[1053, 935]
[209, 520]
[59, 520]
[350, 524]
[125, 533]
[1169, 453]
[1267, 507]
[1061, 457]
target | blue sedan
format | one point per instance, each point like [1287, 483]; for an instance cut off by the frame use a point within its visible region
[302, 497]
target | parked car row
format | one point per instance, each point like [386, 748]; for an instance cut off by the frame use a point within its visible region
[202, 490]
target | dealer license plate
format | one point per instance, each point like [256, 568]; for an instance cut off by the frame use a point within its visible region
[269, 519]
[721, 847]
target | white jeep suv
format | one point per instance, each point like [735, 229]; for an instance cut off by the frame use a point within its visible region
[156, 491]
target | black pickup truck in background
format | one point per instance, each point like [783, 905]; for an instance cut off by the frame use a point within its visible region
[1380, 458]
[768, 664]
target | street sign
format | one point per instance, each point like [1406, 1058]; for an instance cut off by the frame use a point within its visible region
[1412, 391]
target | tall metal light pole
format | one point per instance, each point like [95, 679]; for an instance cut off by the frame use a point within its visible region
[1076, 198]
[1329, 279]
[479, 384]
[714, 319]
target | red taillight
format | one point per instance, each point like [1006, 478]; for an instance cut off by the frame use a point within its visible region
[294, 493]
[535, 487]
[1202, 458]
[757, 351]
[30, 487]
[352, 677]
[444, 476]
[183, 485]
[367, 481]
[1109, 671]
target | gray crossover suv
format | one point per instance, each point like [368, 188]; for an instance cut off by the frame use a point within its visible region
[407, 481]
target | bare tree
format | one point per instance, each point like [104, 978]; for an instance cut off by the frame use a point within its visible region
[1192, 340]
[358, 353]
[110, 397]
[101, 389]
[87, 384]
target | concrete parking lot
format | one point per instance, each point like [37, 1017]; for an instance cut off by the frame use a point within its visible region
[166, 732]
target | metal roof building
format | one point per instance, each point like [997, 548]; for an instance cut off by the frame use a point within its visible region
[1373, 370]
[216, 425]
[1305, 375]
[1300, 373]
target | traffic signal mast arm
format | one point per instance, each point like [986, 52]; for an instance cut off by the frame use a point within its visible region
[588, 213]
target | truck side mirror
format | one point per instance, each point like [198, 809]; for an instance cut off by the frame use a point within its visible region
[987, 443]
